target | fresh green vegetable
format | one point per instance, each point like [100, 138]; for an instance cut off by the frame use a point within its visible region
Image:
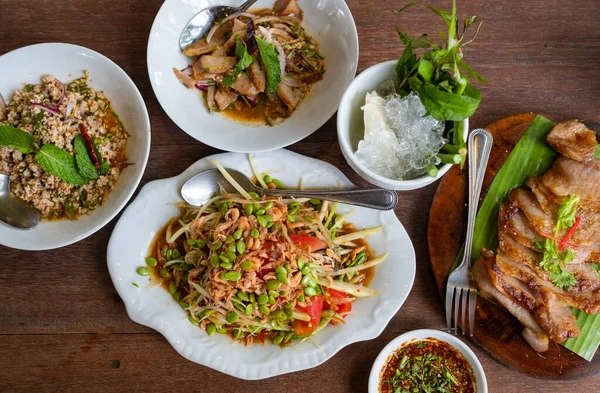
[15, 138]
[270, 60]
[554, 262]
[143, 271]
[59, 163]
[245, 59]
[82, 158]
[228, 80]
[440, 74]
[566, 213]
[151, 262]
[598, 151]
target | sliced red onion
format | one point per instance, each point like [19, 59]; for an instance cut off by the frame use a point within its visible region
[214, 29]
[47, 108]
[252, 100]
[69, 109]
[210, 98]
[282, 60]
[290, 81]
[2, 104]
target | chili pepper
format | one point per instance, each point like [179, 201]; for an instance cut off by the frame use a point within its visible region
[569, 234]
[250, 39]
[90, 146]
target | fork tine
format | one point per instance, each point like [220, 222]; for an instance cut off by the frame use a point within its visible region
[449, 296]
[472, 304]
[458, 293]
[464, 308]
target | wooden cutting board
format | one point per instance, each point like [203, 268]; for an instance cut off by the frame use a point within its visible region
[496, 331]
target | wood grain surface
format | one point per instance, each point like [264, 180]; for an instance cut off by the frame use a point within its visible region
[62, 325]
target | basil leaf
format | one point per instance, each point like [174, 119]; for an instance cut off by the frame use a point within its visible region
[60, 163]
[241, 51]
[82, 158]
[270, 60]
[15, 138]
[426, 70]
[444, 106]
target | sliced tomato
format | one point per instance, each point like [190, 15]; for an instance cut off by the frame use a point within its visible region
[314, 308]
[338, 301]
[307, 241]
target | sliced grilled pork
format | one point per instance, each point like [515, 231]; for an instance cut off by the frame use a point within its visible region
[533, 333]
[258, 76]
[568, 177]
[244, 85]
[574, 140]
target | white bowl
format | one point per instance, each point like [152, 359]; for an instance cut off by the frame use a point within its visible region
[155, 308]
[396, 343]
[67, 62]
[329, 22]
[351, 128]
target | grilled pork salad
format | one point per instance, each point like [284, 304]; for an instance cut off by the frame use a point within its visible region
[255, 67]
[263, 268]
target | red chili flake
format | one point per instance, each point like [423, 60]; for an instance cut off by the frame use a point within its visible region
[569, 234]
[90, 146]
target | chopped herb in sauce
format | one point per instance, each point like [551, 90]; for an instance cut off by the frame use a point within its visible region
[427, 366]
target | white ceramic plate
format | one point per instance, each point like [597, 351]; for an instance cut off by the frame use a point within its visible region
[155, 308]
[327, 21]
[396, 343]
[68, 62]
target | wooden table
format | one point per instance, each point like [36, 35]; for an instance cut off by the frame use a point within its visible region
[62, 324]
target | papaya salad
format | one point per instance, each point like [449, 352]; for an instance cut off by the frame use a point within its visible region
[267, 269]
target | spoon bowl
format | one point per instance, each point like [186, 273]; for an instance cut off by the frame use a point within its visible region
[202, 22]
[14, 211]
[200, 188]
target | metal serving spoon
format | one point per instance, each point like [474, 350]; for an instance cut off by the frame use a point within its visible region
[202, 22]
[201, 187]
[14, 211]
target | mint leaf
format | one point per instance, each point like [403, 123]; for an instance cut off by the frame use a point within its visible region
[82, 158]
[270, 60]
[59, 163]
[15, 138]
[598, 151]
[241, 51]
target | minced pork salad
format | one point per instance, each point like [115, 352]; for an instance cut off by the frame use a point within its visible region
[62, 146]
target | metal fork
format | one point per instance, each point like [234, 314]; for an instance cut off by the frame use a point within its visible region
[460, 283]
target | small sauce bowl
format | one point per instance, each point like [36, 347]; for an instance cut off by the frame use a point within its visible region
[424, 334]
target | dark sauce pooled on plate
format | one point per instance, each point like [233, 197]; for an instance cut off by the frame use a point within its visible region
[427, 365]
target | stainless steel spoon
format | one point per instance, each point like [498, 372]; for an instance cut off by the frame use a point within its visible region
[201, 187]
[202, 22]
[14, 211]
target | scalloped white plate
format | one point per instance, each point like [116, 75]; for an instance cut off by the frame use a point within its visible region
[329, 22]
[154, 307]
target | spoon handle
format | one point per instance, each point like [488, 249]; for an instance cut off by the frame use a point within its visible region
[373, 198]
[246, 5]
